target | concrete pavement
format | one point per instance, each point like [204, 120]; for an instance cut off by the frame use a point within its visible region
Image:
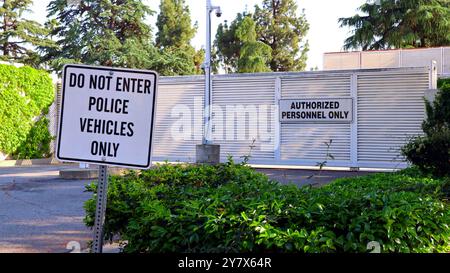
[39, 212]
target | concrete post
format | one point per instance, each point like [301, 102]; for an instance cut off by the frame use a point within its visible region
[208, 154]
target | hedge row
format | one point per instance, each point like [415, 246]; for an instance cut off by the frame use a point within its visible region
[442, 82]
[231, 208]
[25, 95]
[431, 152]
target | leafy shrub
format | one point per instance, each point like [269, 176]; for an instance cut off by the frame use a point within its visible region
[25, 93]
[442, 82]
[431, 152]
[438, 112]
[232, 208]
[37, 143]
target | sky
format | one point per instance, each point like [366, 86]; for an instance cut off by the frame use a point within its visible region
[324, 34]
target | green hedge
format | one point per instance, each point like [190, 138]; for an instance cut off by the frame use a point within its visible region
[442, 82]
[232, 208]
[37, 143]
[25, 94]
[431, 152]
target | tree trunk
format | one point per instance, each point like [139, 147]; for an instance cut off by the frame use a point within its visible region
[274, 43]
[5, 28]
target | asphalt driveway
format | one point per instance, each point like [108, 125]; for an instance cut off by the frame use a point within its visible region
[39, 212]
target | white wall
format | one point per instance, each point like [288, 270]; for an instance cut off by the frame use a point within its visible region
[390, 59]
[388, 109]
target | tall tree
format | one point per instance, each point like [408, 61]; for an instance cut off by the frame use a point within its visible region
[101, 32]
[398, 24]
[227, 45]
[174, 24]
[279, 25]
[175, 32]
[19, 37]
[199, 59]
[254, 55]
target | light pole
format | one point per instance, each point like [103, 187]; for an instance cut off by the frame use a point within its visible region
[207, 152]
[207, 133]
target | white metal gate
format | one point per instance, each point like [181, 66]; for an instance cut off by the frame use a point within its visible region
[388, 109]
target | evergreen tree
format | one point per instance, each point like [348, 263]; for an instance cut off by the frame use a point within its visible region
[175, 33]
[227, 45]
[174, 24]
[399, 24]
[254, 55]
[199, 59]
[19, 37]
[279, 26]
[101, 32]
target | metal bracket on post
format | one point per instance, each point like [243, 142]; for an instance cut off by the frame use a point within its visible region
[277, 148]
[102, 194]
[433, 75]
[354, 125]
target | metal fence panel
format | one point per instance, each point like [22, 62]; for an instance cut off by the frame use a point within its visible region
[178, 126]
[446, 61]
[53, 115]
[305, 143]
[390, 111]
[243, 117]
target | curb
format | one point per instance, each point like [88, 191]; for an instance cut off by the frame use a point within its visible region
[91, 173]
[30, 162]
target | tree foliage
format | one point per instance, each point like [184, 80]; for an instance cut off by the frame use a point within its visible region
[227, 46]
[18, 34]
[399, 24]
[174, 24]
[25, 94]
[254, 55]
[175, 32]
[438, 112]
[114, 33]
[99, 32]
[279, 26]
[431, 152]
[37, 143]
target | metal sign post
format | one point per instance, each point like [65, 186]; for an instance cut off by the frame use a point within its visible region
[102, 195]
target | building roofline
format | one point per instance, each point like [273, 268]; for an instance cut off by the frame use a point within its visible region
[291, 74]
[386, 50]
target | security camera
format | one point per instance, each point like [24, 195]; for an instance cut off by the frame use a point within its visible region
[218, 12]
